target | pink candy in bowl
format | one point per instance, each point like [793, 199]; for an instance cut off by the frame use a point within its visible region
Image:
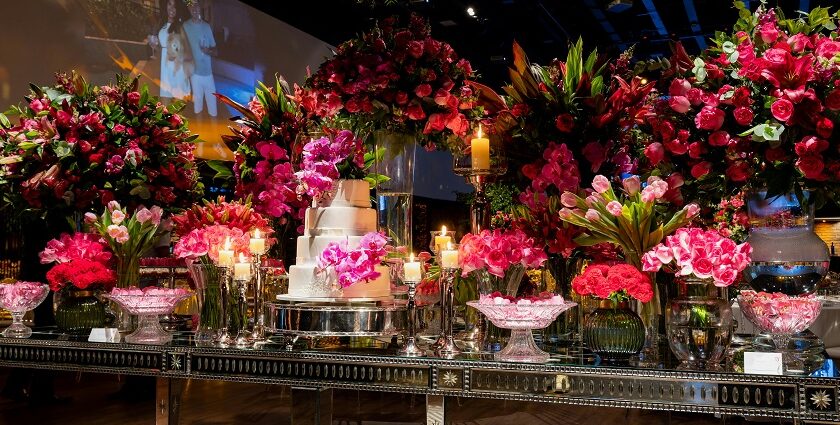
[18, 298]
[148, 303]
[521, 316]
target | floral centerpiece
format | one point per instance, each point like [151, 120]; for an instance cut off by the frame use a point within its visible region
[78, 147]
[203, 231]
[616, 283]
[613, 331]
[76, 283]
[398, 79]
[268, 140]
[18, 298]
[330, 158]
[628, 220]
[499, 259]
[699, 319]
[128, 236]
[757, 109]
[353, 265]
[565, 120]
[702, 254]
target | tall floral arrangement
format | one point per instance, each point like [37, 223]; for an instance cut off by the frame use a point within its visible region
[268, 141]
[757, 109]
[204, 229]
[566, 121]
[77, 147]
[396, 78]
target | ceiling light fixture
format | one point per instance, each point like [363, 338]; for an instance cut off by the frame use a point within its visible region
[471, 11]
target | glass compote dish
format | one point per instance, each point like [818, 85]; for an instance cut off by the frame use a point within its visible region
[148, 304]
[780, 316]
[18, 298]
[521, 316]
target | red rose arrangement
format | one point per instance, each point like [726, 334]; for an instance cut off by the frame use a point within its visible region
[81, 274]
[78, 146]
[757, 109]
[618, 283]
[396, 78]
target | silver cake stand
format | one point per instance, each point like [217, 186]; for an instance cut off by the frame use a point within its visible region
[324, 317]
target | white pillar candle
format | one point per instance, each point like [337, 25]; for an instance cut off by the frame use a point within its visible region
[257, 244]
[412, 270]
[226, 255]
[242, 269]
[449, 258]
[443, 239]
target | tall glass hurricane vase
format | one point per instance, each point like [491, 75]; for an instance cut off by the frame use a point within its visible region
[699, 324]
[395, 195]
[209, 280]
[787, 256]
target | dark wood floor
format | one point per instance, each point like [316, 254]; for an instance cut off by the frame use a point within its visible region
[94, 399]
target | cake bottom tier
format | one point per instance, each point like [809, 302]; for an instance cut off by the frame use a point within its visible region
[304, 283]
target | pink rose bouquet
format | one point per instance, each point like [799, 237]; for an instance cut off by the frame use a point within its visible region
[204, 243]
[357, 264]
[68, 247]
[497, 250]
[777, 313]
[618, 283]
[704, 254]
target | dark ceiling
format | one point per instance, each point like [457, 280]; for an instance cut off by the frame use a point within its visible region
[543, 27]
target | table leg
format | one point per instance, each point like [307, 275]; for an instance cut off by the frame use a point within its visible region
[168, 401]
[435, 410]
[312, 406]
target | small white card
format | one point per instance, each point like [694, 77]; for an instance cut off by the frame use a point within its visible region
[763, 363]
[104, 335]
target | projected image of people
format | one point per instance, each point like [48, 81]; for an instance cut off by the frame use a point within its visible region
[176, 62]
[203, 48]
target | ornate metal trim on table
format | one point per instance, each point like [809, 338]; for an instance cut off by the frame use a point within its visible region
[799, 398]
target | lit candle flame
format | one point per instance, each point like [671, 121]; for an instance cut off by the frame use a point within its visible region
[443, 230]
[242, 258]
[256, 233]
[449, 246]
[227, 243]
[411, 258]
[480, 133]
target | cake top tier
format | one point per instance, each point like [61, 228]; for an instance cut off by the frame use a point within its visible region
[346, 193]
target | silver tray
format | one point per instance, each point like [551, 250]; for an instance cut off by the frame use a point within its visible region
[312, 318]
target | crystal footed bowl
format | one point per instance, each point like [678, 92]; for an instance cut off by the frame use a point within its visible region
[777, 313]
[18, 298]
[520, 317]
[148, 304]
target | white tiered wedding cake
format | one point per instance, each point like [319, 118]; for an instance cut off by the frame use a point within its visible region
[345, 217]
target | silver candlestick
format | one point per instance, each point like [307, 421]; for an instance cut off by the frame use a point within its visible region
[411, 349]
[445, 345]
[243, 337]
[258, 333]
